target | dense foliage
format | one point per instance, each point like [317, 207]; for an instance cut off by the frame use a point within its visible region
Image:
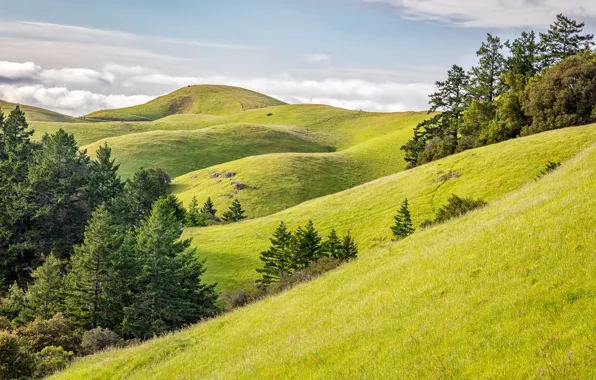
[537, 86]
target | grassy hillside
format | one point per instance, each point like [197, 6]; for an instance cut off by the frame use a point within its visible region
[203, 99]
[232, 251]
[180, 152]
[505, 292]
[34, 114]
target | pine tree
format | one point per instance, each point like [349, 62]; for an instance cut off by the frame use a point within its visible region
[307, 247]
[209, 209]
[403, 222]
[169, 290]
[176, 207]
[451, 96]
[332, 246]
[194, 217]
[235, 213]
[13, 302]
[486, 82]
[563, 39]
[43, 297]
[277, 259]
[523, 58]
[91, 271]
[105, 184]
[349, 249]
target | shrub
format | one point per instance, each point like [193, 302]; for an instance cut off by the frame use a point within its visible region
[550, 167]
[15, 360]
[99, 339]
[242, 297]
[50, 360]
[312, 271]
[457, 207]
[5, 324]
[52, 332]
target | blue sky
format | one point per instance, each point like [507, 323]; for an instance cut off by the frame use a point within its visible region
[76, 56]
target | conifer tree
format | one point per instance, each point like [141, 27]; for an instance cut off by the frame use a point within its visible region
[523, 58]
[209, 209]
[13, 302]
[105, 184]
[91, 271]
[563, 39]
[169, 290]
[333, 245]
[307, 247]
[403, 222]
[349, 249]
[486, 77]
[235, 213]
[43, 297]
[194, 217]
[176, 207]
[278, 258]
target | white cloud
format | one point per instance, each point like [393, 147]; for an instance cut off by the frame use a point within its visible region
[76, 76]
[316, 58]
[494, 13]
[18, 71]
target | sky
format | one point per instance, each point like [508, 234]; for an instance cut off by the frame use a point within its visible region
[79, 56]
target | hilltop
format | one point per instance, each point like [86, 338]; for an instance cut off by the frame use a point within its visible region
[199, 99]
[35, 114]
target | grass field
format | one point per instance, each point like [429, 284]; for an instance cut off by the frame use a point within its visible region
[34, 114]
[203, 99]
[505, 292]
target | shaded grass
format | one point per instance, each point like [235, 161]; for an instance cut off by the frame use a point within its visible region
[35, 114]
[504, 292]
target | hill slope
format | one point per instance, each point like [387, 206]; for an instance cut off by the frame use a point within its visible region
[203, 99]
[505, 292]
[35, 114]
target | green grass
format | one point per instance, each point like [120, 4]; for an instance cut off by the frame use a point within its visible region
[204, 99]
[180, 152]
[232, 251]
[507, 291]
[35, 114]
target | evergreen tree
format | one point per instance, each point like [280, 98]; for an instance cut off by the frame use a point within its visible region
[176, 207]
[194, 217]
[91, 270]
[523, 58]
[403, 222]
[13, 302]
[277, 259]
[307, 247]
[563, 39]
[105, 184]
[349, 249]
[43, 298]
[209, 209]
[486, 77]
[451, 96]
[333, 245]
[169, 291]
[235, 213]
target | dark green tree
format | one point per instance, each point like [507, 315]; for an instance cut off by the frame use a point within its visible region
[307, 246]
[235, 213]
[485, 83]
[403, 222]
[332, 246]
[277, 259]
[563, 39]
[105, 184]
[91, 271]
[523, 57]
[13, 302]
[43, 297]
[452, 94]
[349, 249]
[176, 207]
[169, 291]
[209, 209]
[194, 217]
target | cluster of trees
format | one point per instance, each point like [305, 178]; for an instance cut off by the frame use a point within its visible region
[543, 82]
[207, 215]
[293, 252]
[83, 250]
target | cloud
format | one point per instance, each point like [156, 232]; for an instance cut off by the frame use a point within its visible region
[316, 58]
[493, 13]
[76, 76]
[16, 71]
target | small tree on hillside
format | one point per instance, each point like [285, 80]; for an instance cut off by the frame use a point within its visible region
[105, 184]
[194, 217]
[235, 213]
[349, 249]
[403, 222]
[208, 211]
[307, 247]
[277, 259]
[332, 246]
[42, 298]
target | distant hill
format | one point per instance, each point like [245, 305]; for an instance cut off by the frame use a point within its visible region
[36, 114]
[201, 99]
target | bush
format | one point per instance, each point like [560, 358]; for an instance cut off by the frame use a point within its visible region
[50, 360]
[312, 271]
[15, 360]
[242, 297]
[52, 332]
[5, 324]
[457, 207]
[99, 339]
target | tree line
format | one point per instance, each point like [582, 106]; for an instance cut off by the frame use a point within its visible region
[543, 82]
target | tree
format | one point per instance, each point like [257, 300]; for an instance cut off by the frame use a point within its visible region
[307, 247]
[278, 258]
[51, 359]
[194, 217]
[55, 331]
[349, 249]
[235, 213]
[563, 39]
[333, 246]
[13, 302]
[486, 77]
[169, 290]
[105, 184]
[43, 298]
[91, 270]
[209, 209]
[16, 362]
[523, 58]
[451, 95]
[403, 222]
[176, 207]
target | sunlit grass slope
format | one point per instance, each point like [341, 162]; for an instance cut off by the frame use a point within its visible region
[180, 152]
[35, 114]
[232, 251]
[505, 292]
[202, 99]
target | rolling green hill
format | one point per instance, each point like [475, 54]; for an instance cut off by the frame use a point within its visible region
[504, 292]
[203, 99]
[35, 114]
